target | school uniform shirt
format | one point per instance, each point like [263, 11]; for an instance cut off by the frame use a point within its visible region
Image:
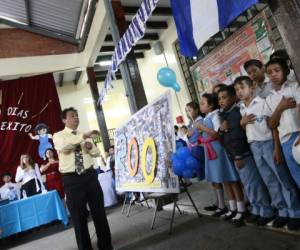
[259, 130]
[67, 140]
[292, 76]
[10, 191]
[265, 90]
[289, 121]
[26, 176]
[193, 139]
[235, 139]
[215, 118]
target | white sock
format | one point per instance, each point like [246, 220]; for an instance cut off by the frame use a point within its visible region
[241, 206]
[228, 213]
[237, 217]
[221, 201]
[232, 205]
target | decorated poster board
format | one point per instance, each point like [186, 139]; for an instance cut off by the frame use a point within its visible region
[225, 62]
[144, 146]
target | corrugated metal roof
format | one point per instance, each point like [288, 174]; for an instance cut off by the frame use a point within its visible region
[13, 9]
[56, 15]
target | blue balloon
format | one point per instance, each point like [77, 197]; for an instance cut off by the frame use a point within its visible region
[180, 144]
[183, 153]
[188, 173]
[174, 157]
[167, 78]
[178, 166]
[192, 163]
[176, 87]
[198, 153]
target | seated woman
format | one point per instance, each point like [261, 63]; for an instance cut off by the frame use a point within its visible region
[28, 173]
[53, 176]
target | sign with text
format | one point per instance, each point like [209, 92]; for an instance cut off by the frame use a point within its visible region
[225, 62]
[144, 146]
[25, 103]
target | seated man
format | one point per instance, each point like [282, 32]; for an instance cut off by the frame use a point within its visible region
[9, 190]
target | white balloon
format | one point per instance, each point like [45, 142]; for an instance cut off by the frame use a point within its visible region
[296, 152]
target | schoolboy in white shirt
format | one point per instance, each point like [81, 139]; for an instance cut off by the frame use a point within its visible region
[267, 156]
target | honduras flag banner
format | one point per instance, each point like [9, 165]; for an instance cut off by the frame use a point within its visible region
[198, 20]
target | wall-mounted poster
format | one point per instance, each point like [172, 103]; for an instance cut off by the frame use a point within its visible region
[225, 62]
[144, 146]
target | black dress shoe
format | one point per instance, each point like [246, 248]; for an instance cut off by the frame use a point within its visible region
[211, 208]
[293, 224]
[228, 216]
[280, 222]
[220, 212]
[252, 219]
[262, 221]
[239, 222]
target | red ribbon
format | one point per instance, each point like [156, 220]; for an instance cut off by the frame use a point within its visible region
[211, 153]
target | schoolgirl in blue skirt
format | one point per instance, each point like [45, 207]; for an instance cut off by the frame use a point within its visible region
[218, 168]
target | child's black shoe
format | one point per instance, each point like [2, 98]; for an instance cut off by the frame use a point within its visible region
[228, 216]
[280, 222]
[238, 220]
[220, 212]
[211, 208]
[262, 221]
[293, 224]
[252, 219]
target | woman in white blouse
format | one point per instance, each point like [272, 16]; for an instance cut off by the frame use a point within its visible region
[28, 173]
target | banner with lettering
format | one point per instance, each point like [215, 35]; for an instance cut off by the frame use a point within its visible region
[133, 34]
[29, 114]
[144, 146]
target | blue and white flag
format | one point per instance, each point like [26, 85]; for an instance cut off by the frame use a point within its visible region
[198, 20]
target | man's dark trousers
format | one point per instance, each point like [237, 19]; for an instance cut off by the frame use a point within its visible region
[81, 190]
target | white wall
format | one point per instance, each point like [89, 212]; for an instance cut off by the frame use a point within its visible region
[150, 65]
[115, 106]
[79, 98]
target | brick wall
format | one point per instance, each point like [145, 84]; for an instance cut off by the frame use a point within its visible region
[20, 43]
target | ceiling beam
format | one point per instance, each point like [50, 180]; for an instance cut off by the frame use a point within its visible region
[146, 46]
[157, 25]
[138, 55]
[102, 78]
[147, 36]
[61, 79]
[88, 24]
[28, 13]
[159, 11]
[77, 77]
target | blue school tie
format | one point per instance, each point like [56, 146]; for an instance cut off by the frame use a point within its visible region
[79, 167]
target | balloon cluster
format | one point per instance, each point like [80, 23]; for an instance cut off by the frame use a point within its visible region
[167, 78]
[184, 163]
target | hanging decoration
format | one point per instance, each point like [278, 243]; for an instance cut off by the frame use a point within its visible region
[134, 33]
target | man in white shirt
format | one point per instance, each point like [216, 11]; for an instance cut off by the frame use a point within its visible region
[9, 190]
[76, 151]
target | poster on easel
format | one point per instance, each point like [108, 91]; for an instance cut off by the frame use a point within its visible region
[224, 63]
[144, 146]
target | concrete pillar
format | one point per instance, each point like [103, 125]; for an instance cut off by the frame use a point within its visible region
[287, 16]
